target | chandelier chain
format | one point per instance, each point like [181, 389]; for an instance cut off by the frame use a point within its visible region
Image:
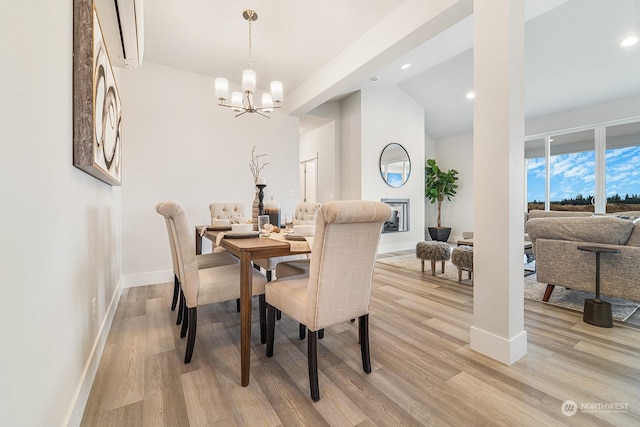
[250, 58]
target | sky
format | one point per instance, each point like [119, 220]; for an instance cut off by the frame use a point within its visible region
[573, 174]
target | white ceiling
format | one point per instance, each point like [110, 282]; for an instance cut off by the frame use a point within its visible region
[572, 51]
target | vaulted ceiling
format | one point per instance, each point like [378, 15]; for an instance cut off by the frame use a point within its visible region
[572, 50]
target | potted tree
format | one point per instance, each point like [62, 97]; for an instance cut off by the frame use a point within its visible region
[438, 185]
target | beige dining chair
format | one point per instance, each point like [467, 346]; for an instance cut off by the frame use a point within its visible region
[225, 210]
[338, 285]
[305, 211]
[203, 261]
[205, 286]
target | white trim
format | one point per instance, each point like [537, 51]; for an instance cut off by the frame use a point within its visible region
[147, 278]
[507, 351]
[79, 402]
[581, 128]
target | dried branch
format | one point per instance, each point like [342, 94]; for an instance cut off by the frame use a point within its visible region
[254, 166]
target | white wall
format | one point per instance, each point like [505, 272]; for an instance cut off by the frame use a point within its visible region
[390, 115]
[181, 146]
[321, 141]
[350, 147]
[61, 243]
[457, 151]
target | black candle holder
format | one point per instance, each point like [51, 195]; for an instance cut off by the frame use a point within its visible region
[260, 197]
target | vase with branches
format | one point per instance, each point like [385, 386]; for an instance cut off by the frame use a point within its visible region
[255, 165]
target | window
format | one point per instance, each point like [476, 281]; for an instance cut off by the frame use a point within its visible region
[623, 167]
[594, 168]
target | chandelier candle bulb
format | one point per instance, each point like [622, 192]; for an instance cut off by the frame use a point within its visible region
[276, 91]
[222, 89]
[267, 102]
[249, 81]
[236, 101]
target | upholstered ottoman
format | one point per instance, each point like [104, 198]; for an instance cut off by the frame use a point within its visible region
[433, 251]
[462, 257]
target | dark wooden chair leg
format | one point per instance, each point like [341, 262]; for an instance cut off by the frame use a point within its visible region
[363, 326]
[312, 356]
[180, 308]
[271, 326]
[191, 339]
[278, 314]
[547, 293]
[268, 276]
[176, 292]
[238, 305]
[262, 307]
[303, 331]
[321, 334]
[185, 320]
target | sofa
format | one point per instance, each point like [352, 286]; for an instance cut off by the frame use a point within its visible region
[555, 242]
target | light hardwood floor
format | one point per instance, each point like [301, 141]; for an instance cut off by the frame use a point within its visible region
[423, 370]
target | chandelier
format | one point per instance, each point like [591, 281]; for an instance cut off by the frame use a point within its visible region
[242, 102]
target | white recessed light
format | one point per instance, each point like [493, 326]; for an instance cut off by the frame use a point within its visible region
[629, 41]
[405, 66]
[471, 95]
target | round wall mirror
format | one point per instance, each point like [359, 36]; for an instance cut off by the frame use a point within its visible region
[395, 165]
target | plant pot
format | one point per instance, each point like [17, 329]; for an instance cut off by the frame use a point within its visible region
[441, 234]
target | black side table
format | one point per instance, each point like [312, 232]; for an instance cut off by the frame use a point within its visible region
[596, 311]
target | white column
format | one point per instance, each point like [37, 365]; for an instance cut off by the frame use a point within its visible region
[498, 180]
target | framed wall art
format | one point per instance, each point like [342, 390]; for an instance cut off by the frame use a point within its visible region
[97, 111]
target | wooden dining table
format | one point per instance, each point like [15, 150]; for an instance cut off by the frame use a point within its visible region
[246, 249]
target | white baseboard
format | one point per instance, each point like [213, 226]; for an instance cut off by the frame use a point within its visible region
[507, 351]
[78, 404]
[147, 278]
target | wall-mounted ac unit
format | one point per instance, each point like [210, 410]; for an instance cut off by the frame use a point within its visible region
[131, 25]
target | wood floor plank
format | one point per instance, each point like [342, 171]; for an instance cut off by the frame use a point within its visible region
[424, 372]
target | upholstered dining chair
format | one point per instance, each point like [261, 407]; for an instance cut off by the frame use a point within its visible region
[204, 286]
[305, 211]
[338, 285]
[225, 210]
[203, 261]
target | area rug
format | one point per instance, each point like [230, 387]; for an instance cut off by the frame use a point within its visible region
[561, 297]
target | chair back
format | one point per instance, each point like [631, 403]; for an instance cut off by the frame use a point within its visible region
[225, 210]
[185, 250]
[344, 252]
[305, 211]
[172, 241]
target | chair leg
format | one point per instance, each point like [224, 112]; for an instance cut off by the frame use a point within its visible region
[238, 305]
[363, 323]
[459, 274]
[443, 267]
[262, 307]
[185, 320]
[191, 340]
[422, 262]
[180, 308]
[547, 293]
[176, 292]
[271, 326]
[312, 357]
[278, 314]
[321, 333]
[303, 331]
[433, 267]
[268, 275]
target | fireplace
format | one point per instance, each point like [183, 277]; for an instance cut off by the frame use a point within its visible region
[399, 220]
